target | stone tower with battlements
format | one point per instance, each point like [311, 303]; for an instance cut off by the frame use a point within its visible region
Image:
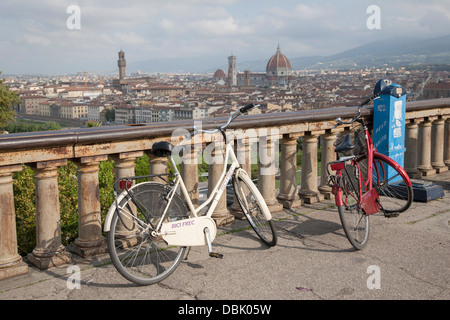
[122, 64]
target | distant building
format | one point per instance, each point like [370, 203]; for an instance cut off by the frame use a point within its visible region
[251, 79]
[122, 64]
[29, 104]
[67, 110]
[94, 111]
[144, 114]
[278, 72]
[160, 91]
[232, 72]
[278, 69]
[219, 75]
[124, 84]
[125, 114]
[436, 90]
[181, 113]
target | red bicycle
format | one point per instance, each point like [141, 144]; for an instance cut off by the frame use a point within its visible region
[365, 182]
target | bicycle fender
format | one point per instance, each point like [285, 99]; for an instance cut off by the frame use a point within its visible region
[394, 164]
[111, 210]
[337, 195]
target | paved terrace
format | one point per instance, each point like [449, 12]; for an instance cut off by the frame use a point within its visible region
[313, 259]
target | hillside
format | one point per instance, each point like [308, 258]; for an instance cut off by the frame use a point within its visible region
[392, 52]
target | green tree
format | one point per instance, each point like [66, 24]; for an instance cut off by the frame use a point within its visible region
[110, 115]
[8, 99]
[92, 124]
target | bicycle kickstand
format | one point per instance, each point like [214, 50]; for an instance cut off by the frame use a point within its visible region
[208, 241]
[387, 215]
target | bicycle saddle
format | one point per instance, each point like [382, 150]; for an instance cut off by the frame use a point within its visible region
[162, 149]
[345, 145]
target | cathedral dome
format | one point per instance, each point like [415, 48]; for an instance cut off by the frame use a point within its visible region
[219, 75]
[278, 65]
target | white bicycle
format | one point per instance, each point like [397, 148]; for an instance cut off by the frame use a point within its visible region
[150, 226]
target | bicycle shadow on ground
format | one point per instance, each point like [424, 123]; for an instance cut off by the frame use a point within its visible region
[290, 227]
[311, 231]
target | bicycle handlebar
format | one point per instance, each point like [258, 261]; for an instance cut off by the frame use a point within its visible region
[247, 107]
[233, 116]
[355, 118]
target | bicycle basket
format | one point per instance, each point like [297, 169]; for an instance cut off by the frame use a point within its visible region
[358, 139]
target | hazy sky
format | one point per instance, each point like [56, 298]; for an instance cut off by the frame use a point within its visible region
[35, 38]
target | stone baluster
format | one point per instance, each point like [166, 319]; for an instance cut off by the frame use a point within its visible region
[49, 251]
[124, 164]
[189, 173]
[158, 165]
[267, 169]
[437, 147]
[424, 154]
[11, 263]
[90, 240]
[328, 155]
[288, 196]
[243, 154]
[447, 143]
[411, 144]
[221, 214]
[308, 190]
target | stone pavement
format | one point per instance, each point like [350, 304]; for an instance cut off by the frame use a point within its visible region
[313, 260]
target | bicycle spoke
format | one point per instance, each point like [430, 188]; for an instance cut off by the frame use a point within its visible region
[137, 254]
[247, 196]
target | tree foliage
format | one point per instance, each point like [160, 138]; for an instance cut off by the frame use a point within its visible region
[24, 126]
[8, 100]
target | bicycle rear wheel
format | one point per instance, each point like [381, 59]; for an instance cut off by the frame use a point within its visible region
[355, 221]
[139, 255]
[254, 208]
[395, 192]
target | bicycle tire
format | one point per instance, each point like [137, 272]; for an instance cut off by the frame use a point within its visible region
[392, 184]
[354, 220]
[254, 208]
[137, 255]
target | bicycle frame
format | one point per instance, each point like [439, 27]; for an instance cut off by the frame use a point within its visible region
[199, 229]
[218, 188]
[367, 199]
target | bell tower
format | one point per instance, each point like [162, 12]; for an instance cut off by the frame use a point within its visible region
[232, 73]
[122, 64]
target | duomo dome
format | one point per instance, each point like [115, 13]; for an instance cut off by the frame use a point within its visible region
[278, 67]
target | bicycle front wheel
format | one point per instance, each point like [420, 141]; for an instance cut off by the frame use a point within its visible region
[354, 220]
[254, 208]
[138, 253]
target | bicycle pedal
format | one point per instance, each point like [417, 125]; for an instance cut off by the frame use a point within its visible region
[391, 215]
[216, 255]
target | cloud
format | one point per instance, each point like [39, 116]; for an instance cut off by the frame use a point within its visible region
[172, 28]
[219, 27]
[129, 38]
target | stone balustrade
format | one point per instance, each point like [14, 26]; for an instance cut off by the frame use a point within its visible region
[427, 152]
